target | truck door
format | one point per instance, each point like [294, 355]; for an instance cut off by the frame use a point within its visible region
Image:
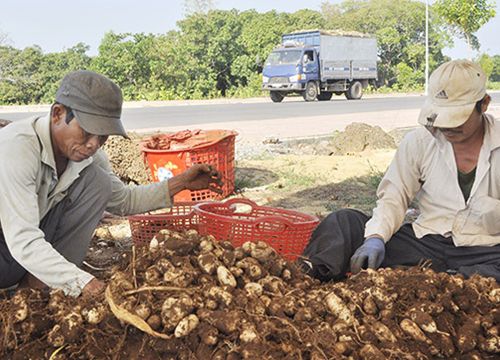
[310, 65]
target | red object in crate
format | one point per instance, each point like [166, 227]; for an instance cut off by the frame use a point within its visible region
[145, 226]
[287, 231]
[214, 147]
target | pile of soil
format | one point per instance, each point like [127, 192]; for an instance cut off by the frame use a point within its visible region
[4, 123]
[359, 137]
[188, 296]
[127, 160]
[356, 138]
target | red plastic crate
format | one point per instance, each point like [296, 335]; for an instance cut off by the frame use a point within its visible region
[144, 227]
[218, 151]
[287, 231]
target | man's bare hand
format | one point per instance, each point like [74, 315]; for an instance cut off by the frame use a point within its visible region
[94, 287]
[202, 176]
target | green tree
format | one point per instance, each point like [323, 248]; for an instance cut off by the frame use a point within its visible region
[466, 17]
[21, 80]
[407, 78]
[54, 66]
[305, 20]
[205, 50]
[260, 34]
[495, 73]
[30, 76]
[399, 27]
[126, 58]
[487, 64]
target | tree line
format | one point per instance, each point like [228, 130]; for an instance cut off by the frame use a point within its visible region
[221, 52]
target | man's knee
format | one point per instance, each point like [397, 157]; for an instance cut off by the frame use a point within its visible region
[344, 217]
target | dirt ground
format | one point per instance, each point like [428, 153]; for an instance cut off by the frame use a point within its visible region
[317, 176]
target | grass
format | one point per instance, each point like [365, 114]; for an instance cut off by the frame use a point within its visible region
[292, 180]
[492, 85]
[314, 184]
[293, 174]
[243, 183]
[358, 193]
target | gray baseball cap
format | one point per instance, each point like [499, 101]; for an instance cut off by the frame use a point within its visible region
[96, 102]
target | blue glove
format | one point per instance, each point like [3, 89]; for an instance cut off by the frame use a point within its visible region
[372, 252]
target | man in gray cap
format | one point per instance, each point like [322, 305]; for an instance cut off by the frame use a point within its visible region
[452, 167]
[55, 184]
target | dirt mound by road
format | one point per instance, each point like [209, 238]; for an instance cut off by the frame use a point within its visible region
[359, 137]
[356, 138]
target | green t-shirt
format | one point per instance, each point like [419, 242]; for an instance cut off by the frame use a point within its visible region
[465, 181]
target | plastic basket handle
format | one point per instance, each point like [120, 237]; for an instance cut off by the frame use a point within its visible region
[274, 219]
[189, 215]
[236, 201]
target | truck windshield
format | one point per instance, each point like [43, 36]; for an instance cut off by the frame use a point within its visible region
[283, 57]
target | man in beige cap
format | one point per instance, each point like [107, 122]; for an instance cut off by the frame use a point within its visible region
[55, 184]
[452, 167]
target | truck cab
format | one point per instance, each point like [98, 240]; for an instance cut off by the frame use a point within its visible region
[289, 69]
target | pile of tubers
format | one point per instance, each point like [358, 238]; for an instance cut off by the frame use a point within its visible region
[187, 296]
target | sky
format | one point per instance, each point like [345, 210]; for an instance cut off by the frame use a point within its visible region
[57, 25]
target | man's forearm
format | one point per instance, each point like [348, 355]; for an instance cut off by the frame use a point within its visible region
[176, 185]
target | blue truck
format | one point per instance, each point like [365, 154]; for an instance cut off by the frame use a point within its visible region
[318, 64]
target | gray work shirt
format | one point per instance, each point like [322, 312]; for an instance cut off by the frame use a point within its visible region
[30, 188]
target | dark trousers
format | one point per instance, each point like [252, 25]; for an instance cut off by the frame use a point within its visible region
[338, 236]
[68, 226]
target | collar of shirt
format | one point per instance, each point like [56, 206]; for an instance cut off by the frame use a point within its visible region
[491, 142]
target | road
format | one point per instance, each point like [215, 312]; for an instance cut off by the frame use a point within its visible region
[291, 118]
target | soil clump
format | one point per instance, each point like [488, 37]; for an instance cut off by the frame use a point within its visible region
[127, 160]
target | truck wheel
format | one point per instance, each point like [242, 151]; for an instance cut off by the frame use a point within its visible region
[355, 91]
[324, 96]
[276, 96]
[310, 92]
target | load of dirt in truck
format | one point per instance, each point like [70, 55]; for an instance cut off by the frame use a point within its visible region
[187, 296]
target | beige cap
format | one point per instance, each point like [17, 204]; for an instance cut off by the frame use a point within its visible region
[454, 89]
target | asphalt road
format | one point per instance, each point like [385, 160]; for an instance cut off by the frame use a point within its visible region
[195, 115]
[192, 115]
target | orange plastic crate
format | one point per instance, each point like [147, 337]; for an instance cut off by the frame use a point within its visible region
[220, 153]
